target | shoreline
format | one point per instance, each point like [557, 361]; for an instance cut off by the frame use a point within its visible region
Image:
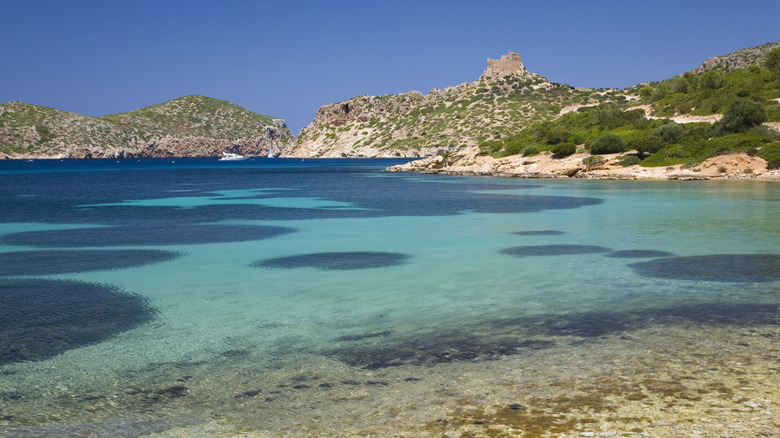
[469, 162]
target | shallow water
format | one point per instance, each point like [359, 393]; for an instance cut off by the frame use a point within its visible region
[323, 297]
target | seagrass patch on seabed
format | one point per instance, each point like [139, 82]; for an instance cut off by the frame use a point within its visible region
[553, 250]
[638, 254]
[333, 261]
[153, 234]
[43, 318]
[539, 233]
[67, 261]
[491, 340]
[730, 268]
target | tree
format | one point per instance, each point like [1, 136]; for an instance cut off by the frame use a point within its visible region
[670, 132]
[772, 62]
[608, 144]
[561, 150]
[646, 92]
[742, 115]
[694, 81]
[661, 91]
[647, 145]
[679, 85]
[712, 79]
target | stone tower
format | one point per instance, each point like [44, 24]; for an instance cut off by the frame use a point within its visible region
[507, 65]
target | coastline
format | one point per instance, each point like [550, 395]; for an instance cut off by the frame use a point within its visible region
[469, 162]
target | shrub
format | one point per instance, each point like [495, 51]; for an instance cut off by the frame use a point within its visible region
[646, 92]
[693, 80]
[772, 62]
[700, 132]
[728, 144]
[712, 79]
[555, 136]
[561, 150]
[742, 115]
[670, 132]
[773, 113]
[608, 144]
[629, 160]
[679, 85]
[764, 132]
[577, 138]
[770, 153]
[593, 160]
[723, 151]
[661, 91]
[490, 147]
[752, 152]
[530, 150]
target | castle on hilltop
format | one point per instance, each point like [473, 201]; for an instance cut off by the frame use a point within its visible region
[507, 65]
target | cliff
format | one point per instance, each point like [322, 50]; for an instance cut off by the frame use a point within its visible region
[190, 126]
[504, 99]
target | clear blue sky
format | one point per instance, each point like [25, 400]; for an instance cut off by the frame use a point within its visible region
[286, 58]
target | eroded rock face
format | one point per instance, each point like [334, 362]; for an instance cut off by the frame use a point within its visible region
[339, 128]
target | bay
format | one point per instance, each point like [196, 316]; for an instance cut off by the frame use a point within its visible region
[188, 297]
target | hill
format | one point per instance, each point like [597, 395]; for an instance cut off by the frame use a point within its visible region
[190, 126]
[504, 99]
[510, 111]
[719, 120]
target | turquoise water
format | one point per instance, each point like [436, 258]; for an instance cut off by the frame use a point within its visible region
[454, 270]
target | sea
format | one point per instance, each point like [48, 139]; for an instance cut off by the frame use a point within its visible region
[326, 297]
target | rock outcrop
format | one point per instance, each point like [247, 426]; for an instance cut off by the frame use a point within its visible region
[581, 165]
[739, 59]
[191, 126]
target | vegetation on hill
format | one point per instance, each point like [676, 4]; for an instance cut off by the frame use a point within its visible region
[192, 115]
[466, 115]
[31, 130]
[745, 97]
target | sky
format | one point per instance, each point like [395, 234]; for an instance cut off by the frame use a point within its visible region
[287, 58]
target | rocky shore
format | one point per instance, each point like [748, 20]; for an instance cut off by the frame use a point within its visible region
[470, 162]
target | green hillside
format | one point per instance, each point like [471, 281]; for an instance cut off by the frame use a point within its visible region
[413, 124]
[744, 95]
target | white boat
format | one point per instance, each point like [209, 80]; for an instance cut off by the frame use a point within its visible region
[226, 156]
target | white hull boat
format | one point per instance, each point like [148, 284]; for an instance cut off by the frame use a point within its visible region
[232, 157]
